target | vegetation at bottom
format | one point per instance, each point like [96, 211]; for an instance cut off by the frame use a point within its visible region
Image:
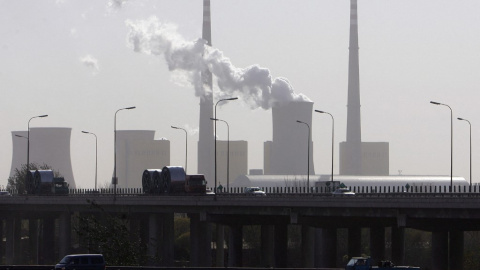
[17, 181]
[109, 235]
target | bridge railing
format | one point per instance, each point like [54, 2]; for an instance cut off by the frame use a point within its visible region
[475, 189]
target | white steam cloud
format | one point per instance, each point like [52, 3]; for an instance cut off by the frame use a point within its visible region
[254, 84]
[91, 63]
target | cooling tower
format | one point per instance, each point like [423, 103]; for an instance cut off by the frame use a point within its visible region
[50, 146]
[289, 147]
[137, 150]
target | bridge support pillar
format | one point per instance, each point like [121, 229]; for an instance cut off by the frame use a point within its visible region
[325, 248]
[10, 241]
[267, 236]
[354, 242]
[308, 246]
[168, 239]
[19, 253]
[281, 245]
[235, 246]
[2, 254]
[134, 228]
[194, 247]
[48, 242]
[398, 245]
[456, 240]
[65, 237]
[440, 250]
[220, 246]
[153, 237]
[143, 233]
[200, 242]
[377, 243]
[33, 240]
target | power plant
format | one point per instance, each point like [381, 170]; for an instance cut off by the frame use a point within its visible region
[290, 152]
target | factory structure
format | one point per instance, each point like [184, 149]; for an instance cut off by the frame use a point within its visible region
[286, 162]
[284, 156]
[137, 150]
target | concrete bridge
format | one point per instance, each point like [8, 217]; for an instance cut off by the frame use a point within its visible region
[446, 215]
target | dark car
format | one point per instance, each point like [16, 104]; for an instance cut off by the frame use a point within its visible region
[82, 261]
[343, 192]
[5, 193]
[255, 191]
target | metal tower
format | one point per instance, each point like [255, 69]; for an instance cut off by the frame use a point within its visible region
[206, 138]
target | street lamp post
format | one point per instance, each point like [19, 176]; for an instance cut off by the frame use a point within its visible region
[28, 141]
[470, 125]
[115, 180]
[308, 155]
[215, 132]
[333, 137]
[96, 155]
[228, 151]
[186, 145]
[451, 142]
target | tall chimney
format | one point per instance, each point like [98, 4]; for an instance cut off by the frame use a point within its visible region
[206, 138]
[353, 158]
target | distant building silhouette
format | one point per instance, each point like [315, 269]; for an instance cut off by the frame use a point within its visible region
[48, 145]
[238, 161]
[137, 150]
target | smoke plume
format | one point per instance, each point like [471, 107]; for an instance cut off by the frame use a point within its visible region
[253, 84]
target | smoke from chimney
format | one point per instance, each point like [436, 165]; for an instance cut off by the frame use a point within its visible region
[254, 84]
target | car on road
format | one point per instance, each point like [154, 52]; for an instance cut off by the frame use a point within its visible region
[5, 193]
[82, 261]
[255, 191]
[343, 192]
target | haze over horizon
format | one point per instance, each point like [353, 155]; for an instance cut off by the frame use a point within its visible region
[74, 61]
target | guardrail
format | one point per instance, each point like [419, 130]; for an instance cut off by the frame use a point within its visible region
[359, 190]
[51, 267]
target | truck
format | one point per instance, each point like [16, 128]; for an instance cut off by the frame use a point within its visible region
[366, 263]
[43, 182]
[172, 180]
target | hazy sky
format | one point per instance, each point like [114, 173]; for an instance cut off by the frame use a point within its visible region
[71, 59]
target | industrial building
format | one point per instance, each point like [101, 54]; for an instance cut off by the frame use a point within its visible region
[137, 150]
[238, 160]
[351, 181]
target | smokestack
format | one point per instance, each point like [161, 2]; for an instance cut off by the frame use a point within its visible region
[205, 137]
[290, 139]
[353, 145]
